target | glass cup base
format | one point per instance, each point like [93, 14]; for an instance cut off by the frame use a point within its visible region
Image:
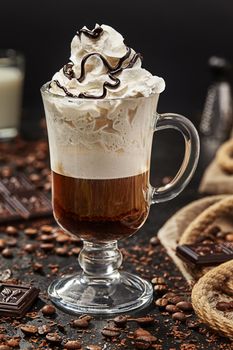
[79, 294]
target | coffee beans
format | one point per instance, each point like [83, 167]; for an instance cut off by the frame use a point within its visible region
[161, 302]
[82, 322]
[120, 321]
[48, 310]
[184, 306]
[72, 344]
[7, 253]
[31, 232]
[179, 316]
[158, 280]
[171, 308]
[11, 230]
[29, 329]
[224, 306]
[110, 332]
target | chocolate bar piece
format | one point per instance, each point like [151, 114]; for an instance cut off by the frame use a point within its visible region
[15, 183]
[205, 254]
[15, 300]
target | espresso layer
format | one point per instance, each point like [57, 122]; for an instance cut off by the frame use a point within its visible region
[101, 210]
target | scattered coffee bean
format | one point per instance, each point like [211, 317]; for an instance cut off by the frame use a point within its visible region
[110, 332]
[192, 324]
[82, 322]
[46, 238]
[185, 306]
[11, 242]
[154, 241]
[161, 302]
[179, 316]
[53, 338]
[120, 321]
[47, 246]
[46, 228]
[7, 253]
[93, 347]
[29, 329]
[37, 267]
[72, 344]
[62, 251]
[2, 244]
[31, 232]
[30, 248]
[229, 237]
[44, 329]
[62, 238]
[158, 280]
[175, 299]
[11, 230]
[14, 342]
[171, 308]
[144, 335]
[48, 310]
[76, 250]
[160, 288]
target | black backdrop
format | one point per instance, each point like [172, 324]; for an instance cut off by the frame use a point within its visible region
[176, 37]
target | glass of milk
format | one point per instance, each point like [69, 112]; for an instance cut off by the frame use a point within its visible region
[11, 86]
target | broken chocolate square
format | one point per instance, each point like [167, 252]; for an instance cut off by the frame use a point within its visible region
[205, 254]
[15, 300]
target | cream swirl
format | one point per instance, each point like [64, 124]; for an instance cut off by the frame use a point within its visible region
[101, 65]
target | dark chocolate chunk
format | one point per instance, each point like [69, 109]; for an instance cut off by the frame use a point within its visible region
[15, 300]
[205, 254]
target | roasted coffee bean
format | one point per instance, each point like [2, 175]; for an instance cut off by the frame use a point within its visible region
[169, 295]
[44, 329]
[48, 310]
[11, 230]
[142, 345]
[31, 232]
[72, 344]
[62, 251]
[160, 288]
[30, 248]
[7, 253]
[37, 267]
[154, 241]
[14, 342]
[185, 306]
[158, 280]
[80, 323]
[46, 228]
[227, 290]
[2, 243]
[47, 246]
[161, 302]
[53, 338]
[223, 306]
[192, 324]
[229, 237]
[62, 238]
[143, 335]
[110, 332]
[179, 316]
[11, 242]
[175, 300]
[76, 250]
[171, 308]
[46, 238]
[93, 347]
[120, 321]
[143, 321]
[29, 329]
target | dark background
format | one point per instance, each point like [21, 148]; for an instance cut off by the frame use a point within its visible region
[175, 37]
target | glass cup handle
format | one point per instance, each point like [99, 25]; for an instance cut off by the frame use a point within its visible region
[191, 156]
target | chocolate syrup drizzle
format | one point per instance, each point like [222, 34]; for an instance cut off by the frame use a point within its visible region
[111, 71]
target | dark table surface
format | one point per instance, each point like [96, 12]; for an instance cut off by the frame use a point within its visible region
[166, 157]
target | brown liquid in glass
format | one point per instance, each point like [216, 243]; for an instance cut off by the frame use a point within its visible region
[101, 210]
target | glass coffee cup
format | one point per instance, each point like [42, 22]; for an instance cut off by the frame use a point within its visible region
[100, 153]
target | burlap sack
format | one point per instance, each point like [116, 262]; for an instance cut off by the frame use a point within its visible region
[172, 230]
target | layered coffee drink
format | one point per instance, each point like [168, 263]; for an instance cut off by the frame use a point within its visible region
[100, 137]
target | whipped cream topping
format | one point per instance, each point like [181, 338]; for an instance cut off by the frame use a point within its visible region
[102, 66]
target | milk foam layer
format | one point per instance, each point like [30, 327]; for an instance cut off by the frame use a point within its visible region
[110, 68]
[100, 139]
